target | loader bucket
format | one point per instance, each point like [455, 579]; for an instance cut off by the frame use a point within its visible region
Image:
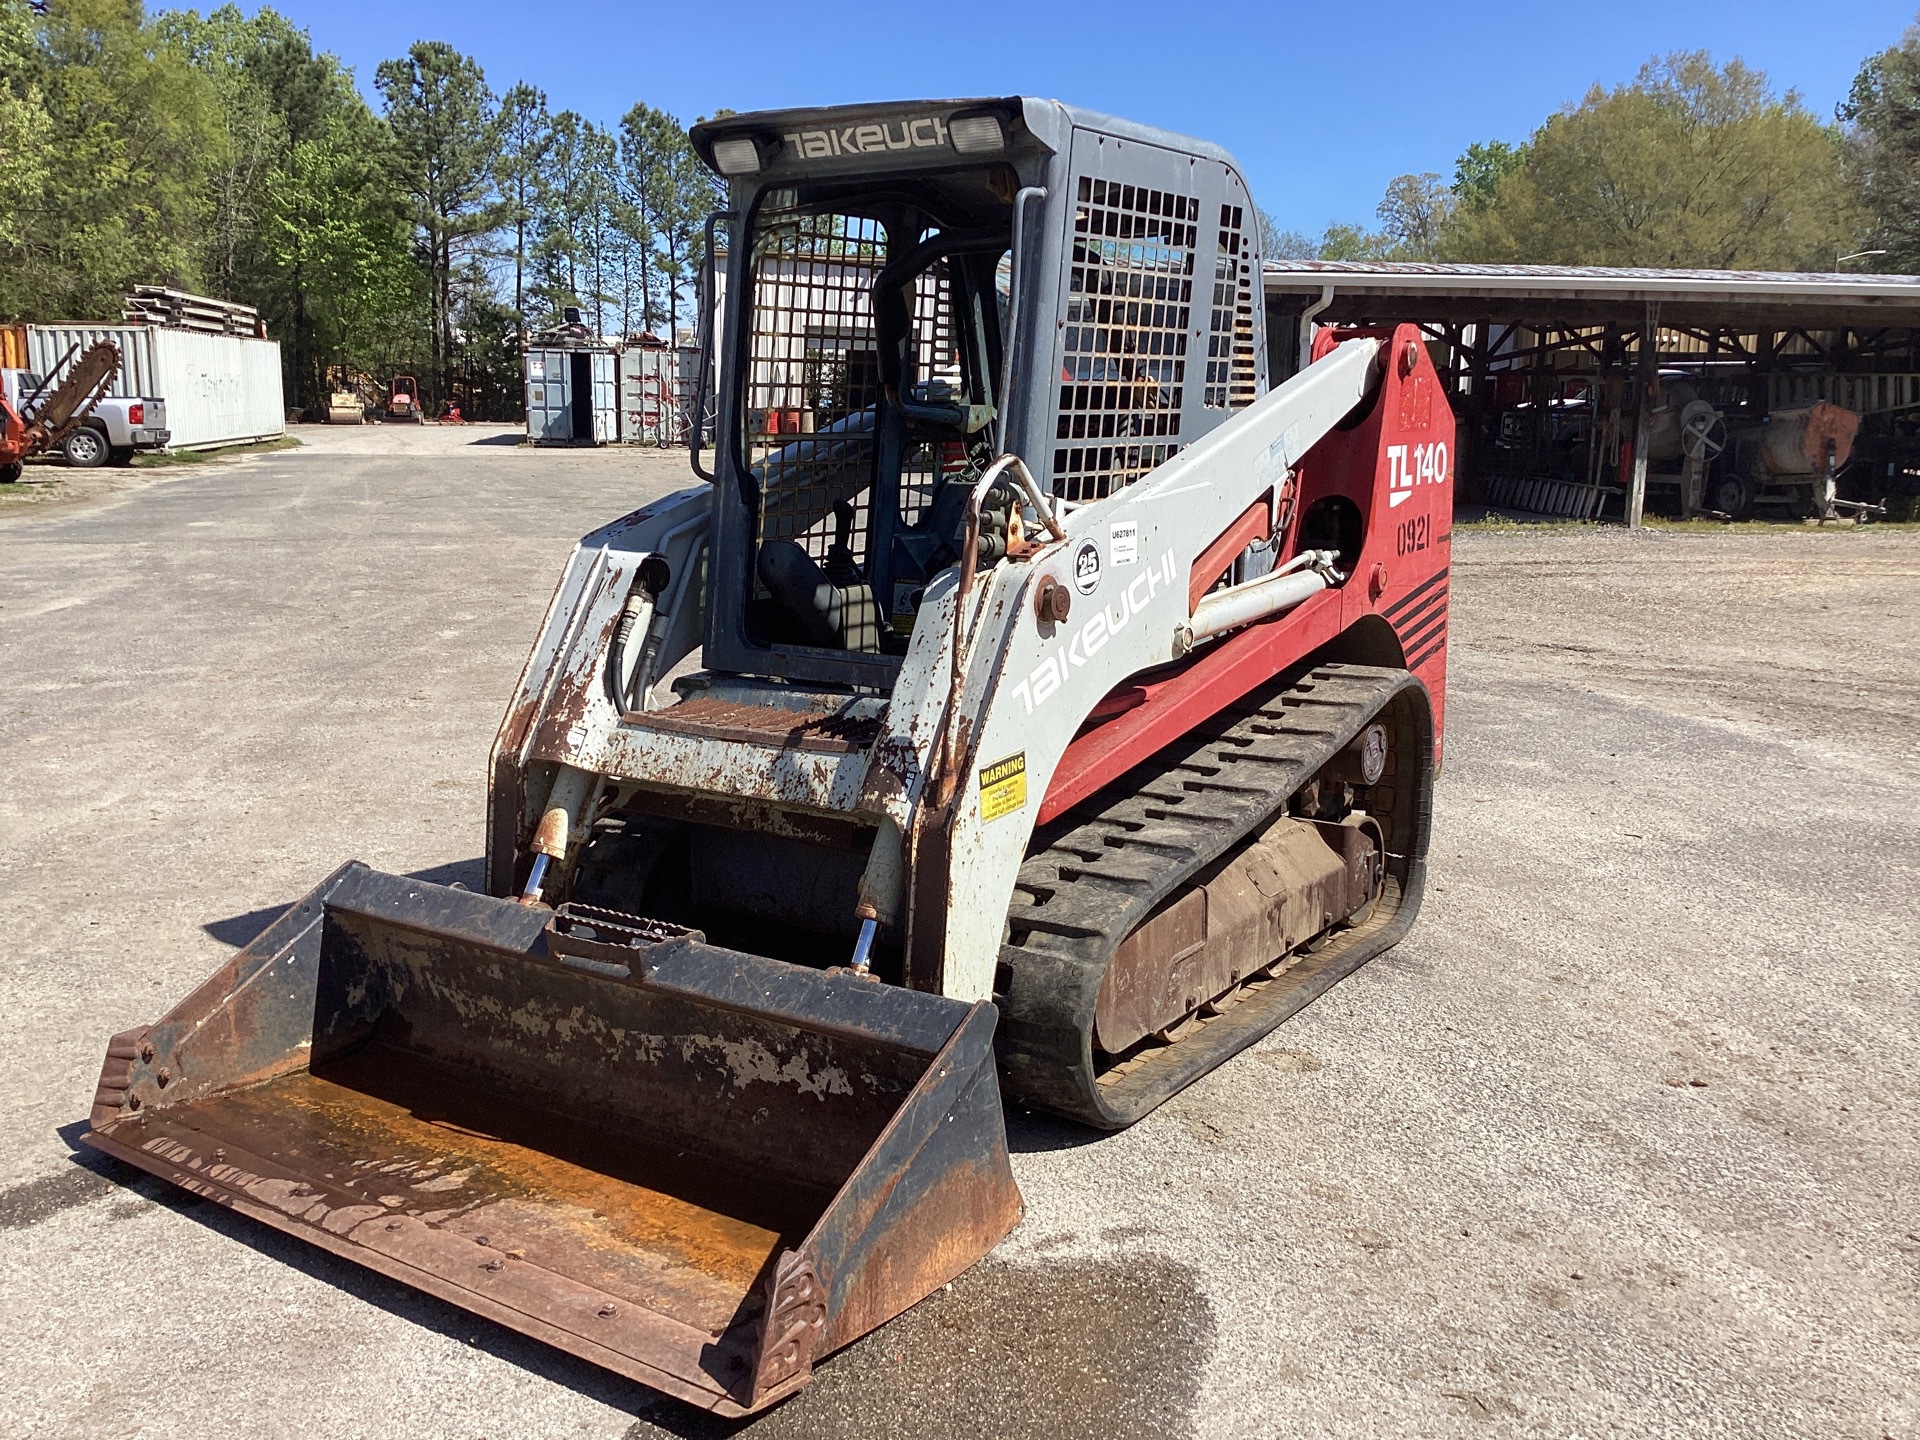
[699, 1168]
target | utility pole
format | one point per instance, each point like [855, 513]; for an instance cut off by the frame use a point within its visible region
[1647, 375]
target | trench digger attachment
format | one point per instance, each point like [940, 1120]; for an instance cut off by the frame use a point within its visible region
[54, 411]
[1066, 713]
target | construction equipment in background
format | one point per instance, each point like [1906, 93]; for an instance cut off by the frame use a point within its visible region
[1794, 457]
[350, 394]
[54, 412]
[403, 402]
[1683, 435]
[1068, 715]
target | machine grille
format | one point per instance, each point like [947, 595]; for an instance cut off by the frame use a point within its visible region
[1231, 375]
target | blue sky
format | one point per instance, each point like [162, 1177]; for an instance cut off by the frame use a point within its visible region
[1323, 104]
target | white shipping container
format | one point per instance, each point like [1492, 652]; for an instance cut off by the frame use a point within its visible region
[219, 389]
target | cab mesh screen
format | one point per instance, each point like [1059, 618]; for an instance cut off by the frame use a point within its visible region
[1124, 372]
[812, 381]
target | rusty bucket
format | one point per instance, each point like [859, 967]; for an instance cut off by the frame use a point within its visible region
[700, 1168]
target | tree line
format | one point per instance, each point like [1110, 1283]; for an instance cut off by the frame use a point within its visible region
[1691, 165]
[429, 228]
[223, 154]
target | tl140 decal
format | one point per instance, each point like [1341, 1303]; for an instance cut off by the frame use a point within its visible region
[1411, 465]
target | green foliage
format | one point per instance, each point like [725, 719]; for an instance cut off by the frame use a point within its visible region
[26, 159]
[113, 133]
[1350, 242]
[1480, 169]
[576, 221]
[339, 266]
[222, 153]
[441, 115]
[1883, 111]
[671, 192]
[523, 136]
[1692, 165]
[1414, 214]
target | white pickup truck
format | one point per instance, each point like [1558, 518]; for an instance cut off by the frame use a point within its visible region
[110, 434]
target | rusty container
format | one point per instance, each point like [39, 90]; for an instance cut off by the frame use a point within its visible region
[700, 1168]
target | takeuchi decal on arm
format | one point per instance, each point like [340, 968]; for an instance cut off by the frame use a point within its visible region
[1089, 637]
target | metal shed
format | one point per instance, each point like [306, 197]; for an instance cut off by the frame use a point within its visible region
[1540, 358]
[572, 394]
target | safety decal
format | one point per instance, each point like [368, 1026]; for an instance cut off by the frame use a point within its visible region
[1086, 567]
[1003, 787]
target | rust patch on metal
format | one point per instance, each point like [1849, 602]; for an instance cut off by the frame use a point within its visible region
[796, 1318]
[1295, 882]
[715, 719]
[387, 1134]
[116, 1074]
[893, 770]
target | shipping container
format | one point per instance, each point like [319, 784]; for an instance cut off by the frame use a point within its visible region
[572, 396]
[650, 406]
[219, 389]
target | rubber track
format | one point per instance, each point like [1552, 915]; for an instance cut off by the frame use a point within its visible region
[1112, 861]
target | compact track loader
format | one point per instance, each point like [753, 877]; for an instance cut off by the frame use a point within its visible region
[1030, 702]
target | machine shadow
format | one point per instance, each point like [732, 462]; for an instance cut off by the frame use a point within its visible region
[242, 930]
[1029, 1132]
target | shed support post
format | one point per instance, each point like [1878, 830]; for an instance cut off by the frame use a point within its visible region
[1647, 375]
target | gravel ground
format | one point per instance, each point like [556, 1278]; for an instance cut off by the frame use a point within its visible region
[1621, 1140]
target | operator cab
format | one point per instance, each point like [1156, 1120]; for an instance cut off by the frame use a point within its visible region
[910, 291]
[865, 411]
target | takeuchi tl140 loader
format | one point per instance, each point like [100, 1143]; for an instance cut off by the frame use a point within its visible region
[1065, 717]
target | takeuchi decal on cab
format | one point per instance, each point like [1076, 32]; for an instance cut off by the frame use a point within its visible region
[919, 132]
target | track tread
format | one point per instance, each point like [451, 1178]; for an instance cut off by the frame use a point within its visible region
[1090, 883]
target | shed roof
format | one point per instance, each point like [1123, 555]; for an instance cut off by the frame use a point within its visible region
[1594, 295]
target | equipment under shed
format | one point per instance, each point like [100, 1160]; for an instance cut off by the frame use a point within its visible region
[1598, 393]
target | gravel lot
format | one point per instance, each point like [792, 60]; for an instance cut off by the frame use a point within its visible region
[1622, 1140]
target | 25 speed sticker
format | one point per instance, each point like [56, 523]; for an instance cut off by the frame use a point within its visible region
[1003, 786]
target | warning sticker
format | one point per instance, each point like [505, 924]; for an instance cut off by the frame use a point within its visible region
[1003, 787]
